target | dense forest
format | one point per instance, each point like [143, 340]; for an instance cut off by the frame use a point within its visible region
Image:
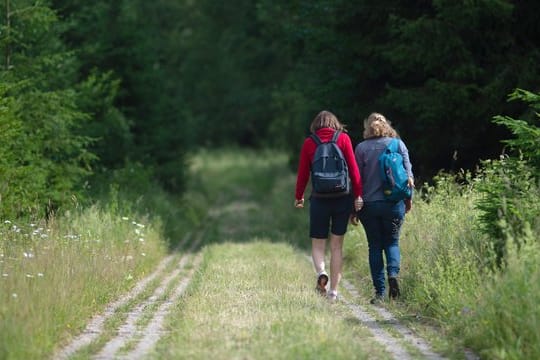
[127, 89]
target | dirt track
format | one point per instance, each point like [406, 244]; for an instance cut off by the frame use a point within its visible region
[133, 340]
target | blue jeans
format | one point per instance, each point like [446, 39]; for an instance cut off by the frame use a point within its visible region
[382, 222]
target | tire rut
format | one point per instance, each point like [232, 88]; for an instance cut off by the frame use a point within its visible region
[393, 345]
[129, 331]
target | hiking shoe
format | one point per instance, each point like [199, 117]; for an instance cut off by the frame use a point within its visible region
[332, 296]
[322, 280]
[378, 299]
[393, 292]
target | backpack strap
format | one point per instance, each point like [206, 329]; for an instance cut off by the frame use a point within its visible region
[318, 141]
[316, 138]
[336, 135]
[393, 145]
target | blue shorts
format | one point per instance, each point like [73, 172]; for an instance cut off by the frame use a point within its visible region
[329, 214]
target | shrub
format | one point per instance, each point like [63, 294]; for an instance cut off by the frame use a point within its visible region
[509, 186]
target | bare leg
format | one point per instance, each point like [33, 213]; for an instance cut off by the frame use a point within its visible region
[318, 248]
[336, 260]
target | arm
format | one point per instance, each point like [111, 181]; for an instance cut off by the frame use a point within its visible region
[406, 160]
[408, 167]
[302, 176]
[354, 173]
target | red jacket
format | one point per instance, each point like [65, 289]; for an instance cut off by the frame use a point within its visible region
[306, 158]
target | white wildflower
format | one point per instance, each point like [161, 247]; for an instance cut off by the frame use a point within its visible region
[4, 275]
[7, 222]
[28, 255]
[40, 274]
[125, 218]
[140, 225]
[141, 239]
[143, 254]
[29, 275]
[137, 231]
[14, 295]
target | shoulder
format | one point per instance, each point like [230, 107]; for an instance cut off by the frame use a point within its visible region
[375, 141]
[344, 137]
[402, 144]
[309, 144]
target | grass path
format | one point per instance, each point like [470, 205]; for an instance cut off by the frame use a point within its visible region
[134, 304]
[242, 289]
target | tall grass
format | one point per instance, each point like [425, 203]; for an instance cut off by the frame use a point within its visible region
[447, 280]
[55, 275]
[439, 269]
[505, 322]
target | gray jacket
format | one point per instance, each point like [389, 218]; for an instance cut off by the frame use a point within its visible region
[367, 156]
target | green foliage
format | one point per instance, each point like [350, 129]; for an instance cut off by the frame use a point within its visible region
[439, 67]
[129, 62]
[526, 135]
[108, 125]
[509, 199]
[46, 157]
[510, 186]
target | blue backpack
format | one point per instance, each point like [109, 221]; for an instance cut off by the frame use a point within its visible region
[329, 171]
[393, 173]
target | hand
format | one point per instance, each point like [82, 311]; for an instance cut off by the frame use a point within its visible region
[353, 219]
[408, 205]
[358, 203]
[299, 203]
[410, 183]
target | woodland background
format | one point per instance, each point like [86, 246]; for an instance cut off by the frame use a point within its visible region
[126, 125]
[121, 92]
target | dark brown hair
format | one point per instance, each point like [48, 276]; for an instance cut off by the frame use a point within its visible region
[325, 119]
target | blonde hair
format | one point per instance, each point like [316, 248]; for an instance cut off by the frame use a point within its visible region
[376, 125]
[325, 119]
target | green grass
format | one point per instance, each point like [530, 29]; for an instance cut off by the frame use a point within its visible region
[256, 300]
[253, 295]
[505, 322]
[56, 275]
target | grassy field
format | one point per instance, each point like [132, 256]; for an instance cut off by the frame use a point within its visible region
[252, 296]
[56, 275]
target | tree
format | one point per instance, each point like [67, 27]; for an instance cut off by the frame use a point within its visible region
[45, 159]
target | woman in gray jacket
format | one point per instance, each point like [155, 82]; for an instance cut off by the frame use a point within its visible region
[381, 218]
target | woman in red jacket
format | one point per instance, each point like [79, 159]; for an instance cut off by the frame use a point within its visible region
[328, 214]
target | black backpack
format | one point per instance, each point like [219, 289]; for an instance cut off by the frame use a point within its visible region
[329, 171]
